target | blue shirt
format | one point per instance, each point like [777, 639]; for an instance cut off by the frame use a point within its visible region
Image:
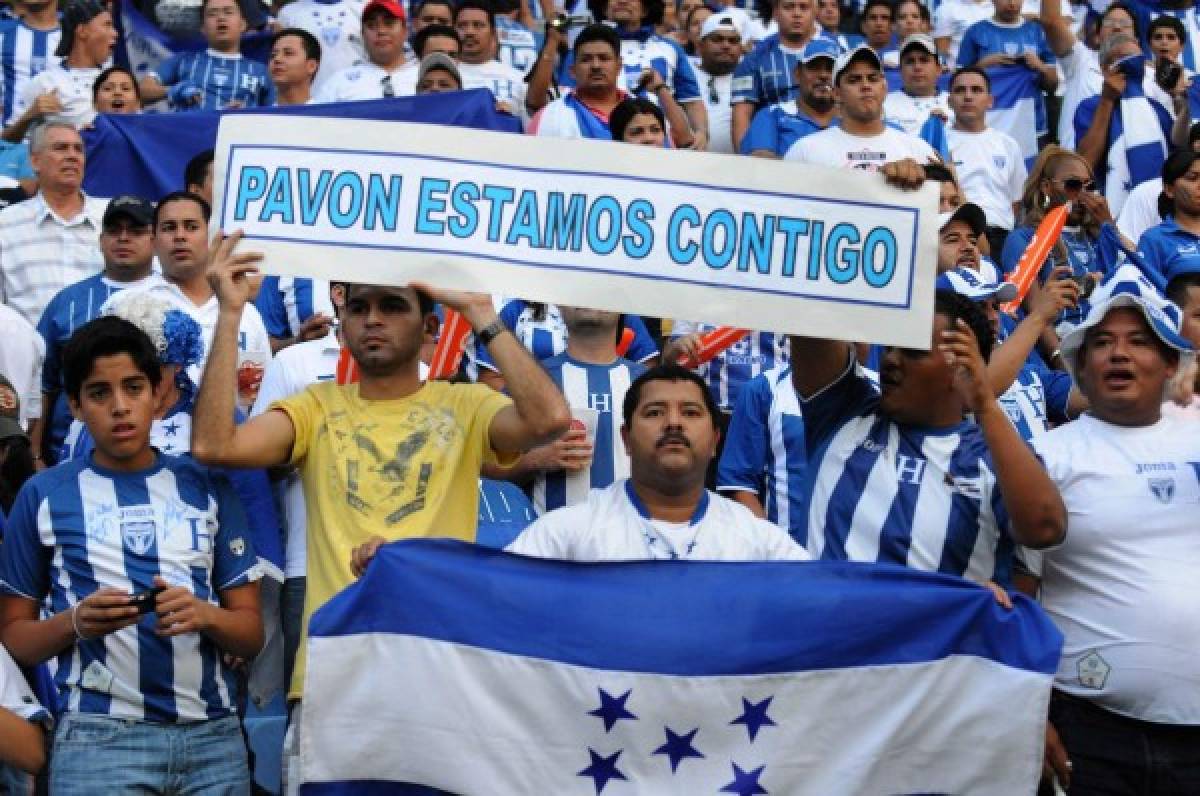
[765, 76]
[71, 307]
[778, 127]
[988, 37]
[765, 450]
[602, 389]
[504, 511]
[1083, 257]
[878, 490]
[286, 302]
[222, 79]
[1170, 250]
[517, 45]
[729, 371]
[78, 527]
[642, 49]
[546, 336]
[1038, 397]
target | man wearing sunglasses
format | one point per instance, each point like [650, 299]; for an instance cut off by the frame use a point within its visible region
[720, 51]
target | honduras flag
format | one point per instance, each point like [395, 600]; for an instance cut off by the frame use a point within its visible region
[481, 672]
[1137, 141]
[1014, 107]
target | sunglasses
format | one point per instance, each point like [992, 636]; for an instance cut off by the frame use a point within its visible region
[1073, 185]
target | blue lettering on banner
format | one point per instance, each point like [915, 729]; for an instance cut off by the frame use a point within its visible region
[312, 198]
[499, 196]
[640, 240]
[526, 223]
[722, 221]
[465, 195]
[428, 203]
[604, 243]
[564, 224]
[683, 254]
[756, 240]
[841, 262]
[875, 275]
[792, 229]
[383, 204]
[252, 186]
[279, 198]
[346, 185]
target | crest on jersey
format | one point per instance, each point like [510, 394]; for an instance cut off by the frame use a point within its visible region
[1163, 488]
[999, 160]
[138, 528]
[331, 34]
[237, 546]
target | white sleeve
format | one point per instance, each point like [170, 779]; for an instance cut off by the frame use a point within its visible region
[252, 326]
[549, 536]
[943, 25]
[778, 545]
[1140, 211]
[274, 386]
[1018, 175]
[15, 694]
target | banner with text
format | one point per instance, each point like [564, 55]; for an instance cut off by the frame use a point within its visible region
[729, 240]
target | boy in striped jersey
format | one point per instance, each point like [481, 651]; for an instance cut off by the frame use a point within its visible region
[147, 703]
[217, 78]
[26, 45]
[899, 475]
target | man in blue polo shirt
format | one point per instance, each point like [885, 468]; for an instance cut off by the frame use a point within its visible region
[143, 567]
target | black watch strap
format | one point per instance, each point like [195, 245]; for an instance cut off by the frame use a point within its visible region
[490, 332]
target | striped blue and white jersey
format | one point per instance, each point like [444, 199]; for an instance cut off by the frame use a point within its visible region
[881, 491]
[24, 52]
[644, 49]
[79, 527]
[222, 78]
[504, 511]
[1038, 397]
[765, 450]
[728, 372]
[71, 307]
[544, 334]
[516, 45]
[602, 389]
[765, 76]
[286, 302]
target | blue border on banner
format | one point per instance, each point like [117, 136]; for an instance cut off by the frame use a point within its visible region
[916, 224]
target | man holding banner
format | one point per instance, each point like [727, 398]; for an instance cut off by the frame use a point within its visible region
[387, 457]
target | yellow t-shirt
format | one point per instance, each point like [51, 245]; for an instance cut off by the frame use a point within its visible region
[399, 469]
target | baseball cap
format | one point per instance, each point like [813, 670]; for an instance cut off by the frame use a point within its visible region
[716, 21]
[1128, 287]
[390, 6]
[77, 12]
[135, 208]
[10, 411]
[969, 213]
[860, 53]
[820, 47]
[438, 61]
[974, 286]
[922, 40]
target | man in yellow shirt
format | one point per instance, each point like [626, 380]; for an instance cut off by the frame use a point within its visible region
[390, 456]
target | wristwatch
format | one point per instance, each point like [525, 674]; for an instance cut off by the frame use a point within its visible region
[490, 332]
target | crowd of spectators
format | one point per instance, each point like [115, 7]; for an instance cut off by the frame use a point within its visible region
[193, 459]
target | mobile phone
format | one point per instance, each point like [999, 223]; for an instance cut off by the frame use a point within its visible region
[1085, 282]
[1166, 74]
[144, 602]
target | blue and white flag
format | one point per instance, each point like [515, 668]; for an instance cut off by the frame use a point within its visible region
[1137, 144]
[480, 672]
[1014, 106]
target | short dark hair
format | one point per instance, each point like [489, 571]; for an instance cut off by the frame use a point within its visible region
[956, 307]
[626, 109]
[972, 70]
[1168, 21]
[1176, 165]
[193, 172]
[106, 336]
[477, 5]
[182, 196]
[1177, 288]
[421, 6]
[425, 302]
[204, 7]
[107, 73]
[594, 33]
[668, 372]
[312, 47]
[922, 10]
[428, 32]
[871, 4]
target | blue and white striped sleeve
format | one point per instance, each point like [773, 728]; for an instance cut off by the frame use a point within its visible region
[685, 86]
[744, 458]
[235, 562]
[24, 561]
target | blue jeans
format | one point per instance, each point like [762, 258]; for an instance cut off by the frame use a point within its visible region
[99, 754]
[1118, 756]
[291, 610]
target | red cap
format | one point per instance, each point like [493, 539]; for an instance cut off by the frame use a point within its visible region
[391, 6]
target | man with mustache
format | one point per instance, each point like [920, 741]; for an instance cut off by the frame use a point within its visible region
[662, 511]
[476, 25]
[775, 128]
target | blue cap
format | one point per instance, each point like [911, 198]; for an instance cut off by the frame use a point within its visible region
[820, 47]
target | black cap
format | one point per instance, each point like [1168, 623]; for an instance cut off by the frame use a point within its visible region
[77, 12]
[135, 208]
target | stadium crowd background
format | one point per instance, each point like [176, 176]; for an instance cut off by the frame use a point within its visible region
[1013, 108]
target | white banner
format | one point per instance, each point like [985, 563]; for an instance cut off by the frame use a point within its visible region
[729, 240]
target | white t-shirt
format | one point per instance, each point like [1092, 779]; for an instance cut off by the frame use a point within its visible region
[1082, 78]
[953, 17]
[840, 150]
[21, 359]
[15, 694]
[991, 171]
[506, 84]
[364, 81]
[720, 112]
[1140, 211]
[337, 26]
[1122, 586]
[74, 88]
[910, 113]
[608, 527]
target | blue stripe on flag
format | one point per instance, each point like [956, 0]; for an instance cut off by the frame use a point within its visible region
[729, 618]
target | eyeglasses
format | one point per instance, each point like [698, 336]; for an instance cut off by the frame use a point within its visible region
[389, 90]
[1073, 185]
